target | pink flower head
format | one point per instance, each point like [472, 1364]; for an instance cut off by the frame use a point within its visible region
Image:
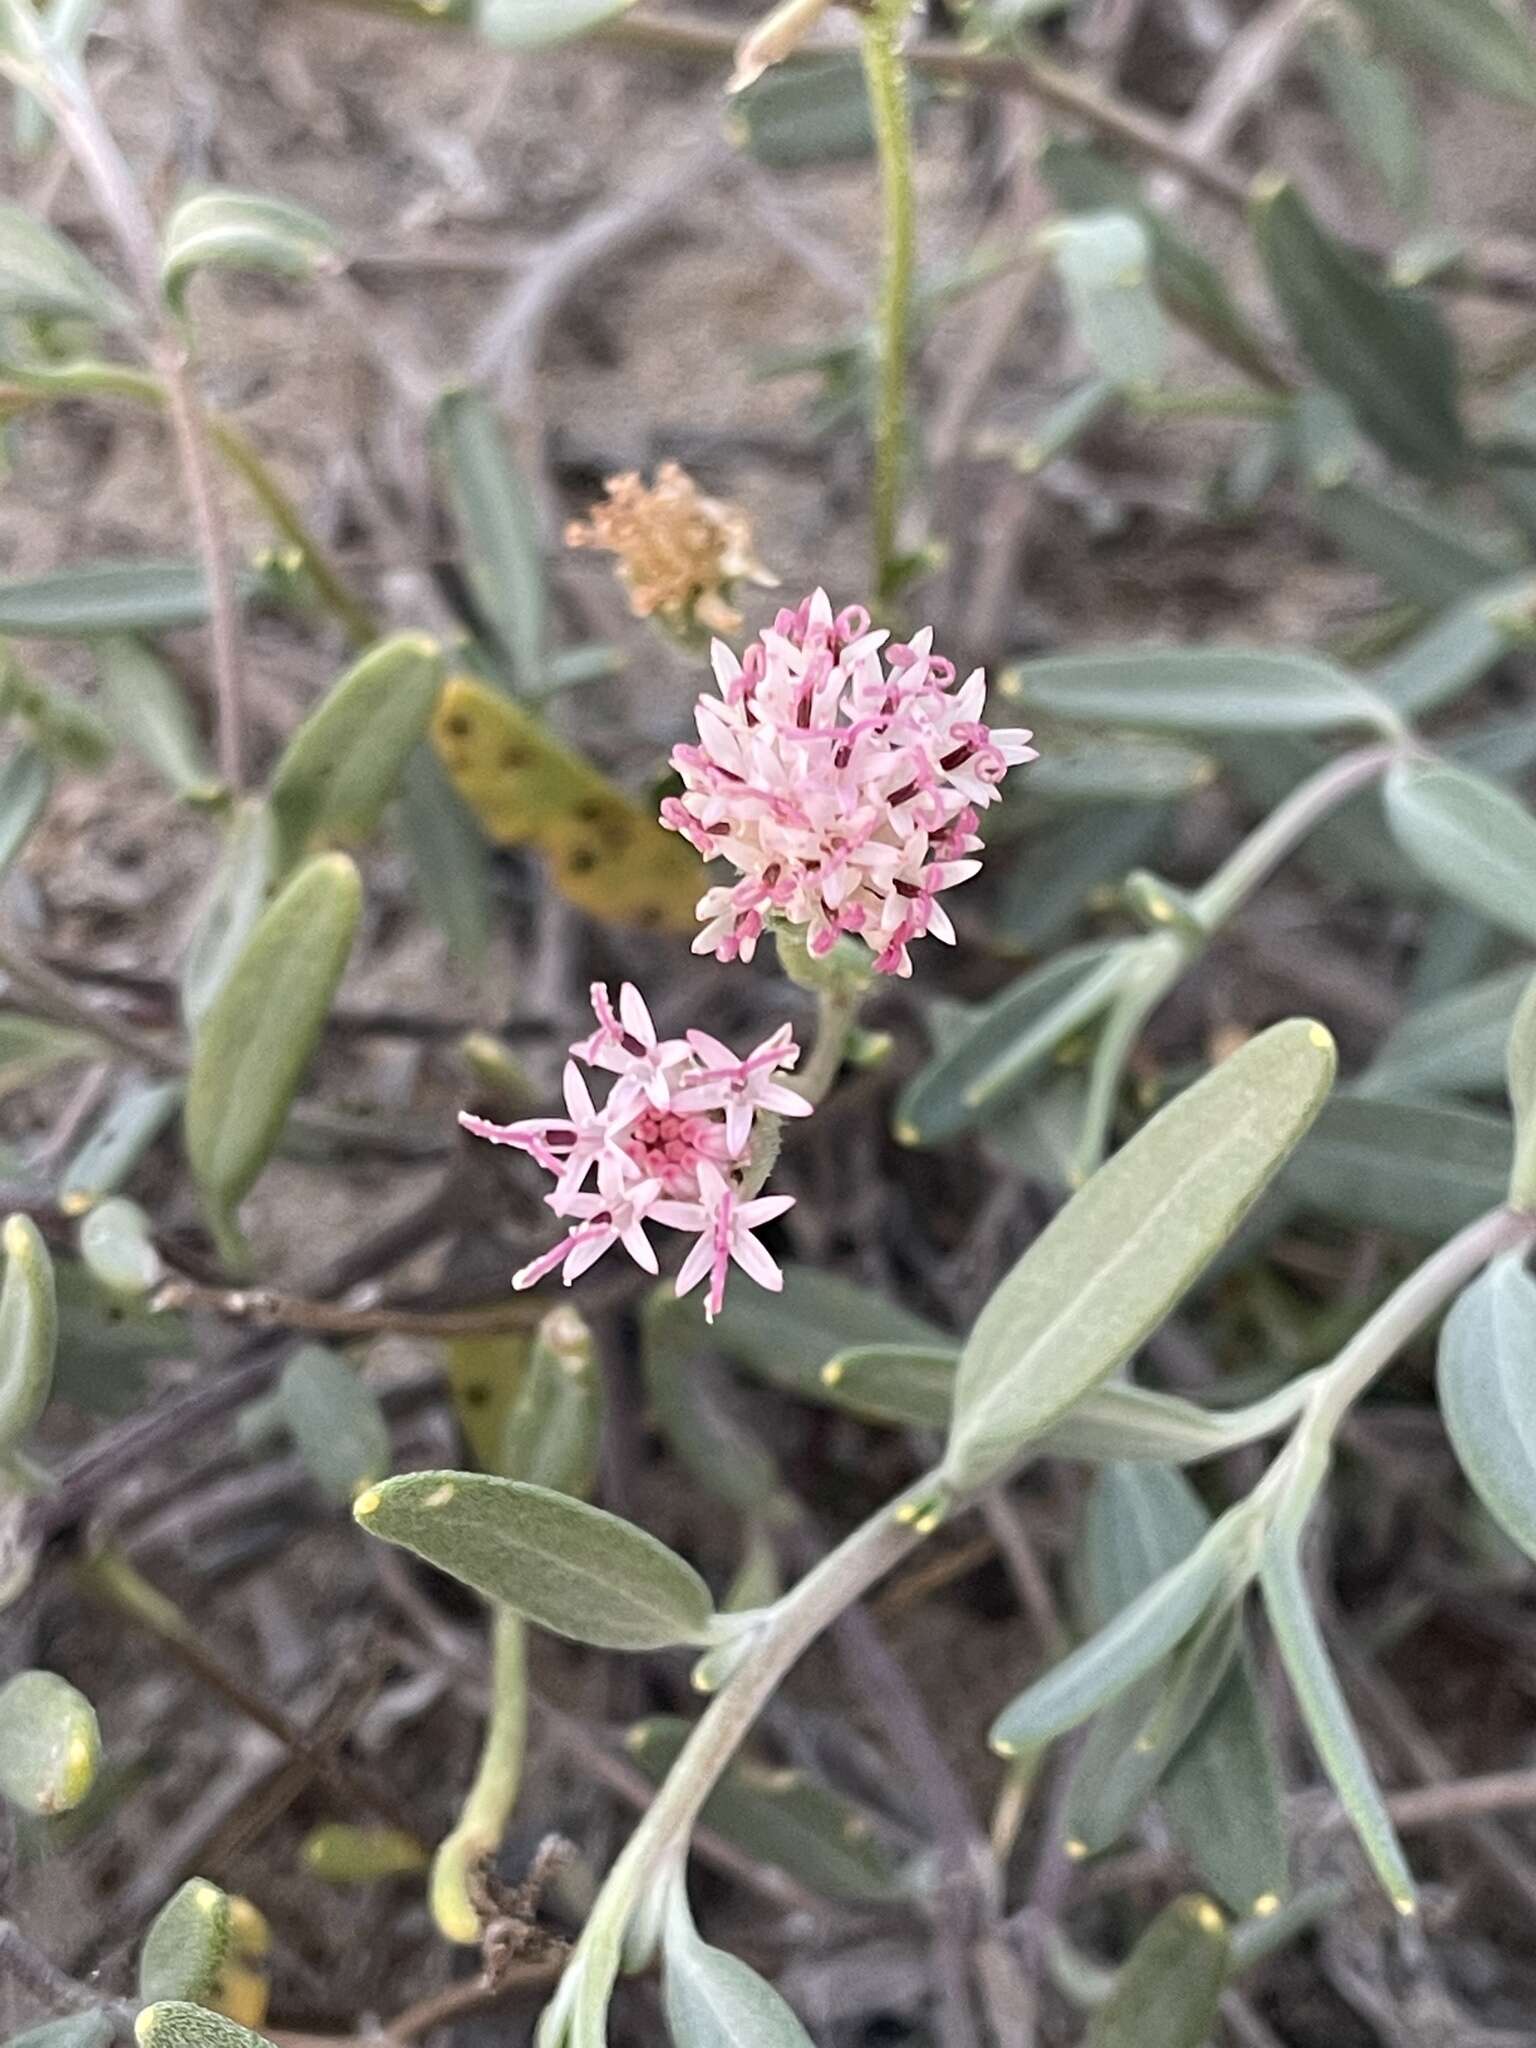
[842, 775]
[670, 1144]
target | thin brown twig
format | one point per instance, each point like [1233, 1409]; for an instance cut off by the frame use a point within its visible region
[23, 1963]
[263, 1309]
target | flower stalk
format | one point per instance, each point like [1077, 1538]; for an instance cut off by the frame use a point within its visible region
[885, 73]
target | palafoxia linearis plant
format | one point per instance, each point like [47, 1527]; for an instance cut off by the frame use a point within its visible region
[830, 815]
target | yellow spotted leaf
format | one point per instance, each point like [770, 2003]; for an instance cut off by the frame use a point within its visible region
[604, 853]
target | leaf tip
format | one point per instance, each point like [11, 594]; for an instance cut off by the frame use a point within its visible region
[906, 1134]
[367, 1503]
[832, 1372]
[1264, 1905]
[1074, 1850]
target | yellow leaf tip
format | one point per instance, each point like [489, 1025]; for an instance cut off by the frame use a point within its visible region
[1208, 1917]
[1406, 1907]
[1074, 1850]
[17, 1237]
[1265, 1904]
[1001, 1746]
[906, 1134]
[367, 1502]
[1320, 1036]
[831, 1372]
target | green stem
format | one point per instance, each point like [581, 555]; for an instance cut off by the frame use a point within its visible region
[483, 1821]
[885, 72]
[1284, 829]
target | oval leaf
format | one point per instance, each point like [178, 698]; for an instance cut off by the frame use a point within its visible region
[1481, 42]
[535, 24]
[1473, 838]
[116, 1245]
[177, 2023]
[1457, 1044]
[342, 1853]
[50, 1744]
[344, 763]
[497, 517]
[714, 2001]
[1125, 1249]
[1104, 261]
[236, 898]
[1199, 689]
[147, 709]
[186, 1945]
[571, 1568]
[1224, 1799]
[1422, 1168]
[29, 1329]
[256, 1040]
[1487, 1383]
[242, 231]
[44, 277]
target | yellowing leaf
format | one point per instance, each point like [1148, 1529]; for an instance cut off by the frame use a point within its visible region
[605, 854]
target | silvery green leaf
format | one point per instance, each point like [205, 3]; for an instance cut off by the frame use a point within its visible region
[714, 2001]
[1199, 689]
[1487, 1383]
[1468, 835]
[1323, 1709]
[1423, 1168]
[335, 1421]
[1374, 107]
[148, 710]
[131, 1123]
[569, 1567]
[1521, 1074]
[1385, 350]
[31, 1047]
[494, 507]
[237, 895]
[783, 1817]
[1138, 1638]
[104, 597]
[690, 1406]
[44, 277]
[787, 1338]
[1067, 869]
[1448, 657]
[1421, 553]
[226, 230]
[1167, 1994]
[449, 856]
[1129, 1244]
[26, 781]
[1104, 261]
[1456, 1044]
[50, 1744]
[1007, 1040]
[907, 1383]
[552, 1430]
[1481, 42]
[535, 24]
[1224, 1799]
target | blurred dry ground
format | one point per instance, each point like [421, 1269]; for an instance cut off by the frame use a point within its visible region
[578, 234]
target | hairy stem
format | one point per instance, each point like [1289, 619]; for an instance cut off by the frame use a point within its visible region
[886, 74]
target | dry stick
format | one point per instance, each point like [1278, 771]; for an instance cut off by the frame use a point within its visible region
[24, 1964]
[1250, 63]
[106, 171]
[60, 1001]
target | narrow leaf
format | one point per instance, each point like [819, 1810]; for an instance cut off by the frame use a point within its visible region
[493, 506]
[132, 1122]
[1422, 1168]
[236, 897]
[450, 862]
[552, 1430]
[50, 1745]
[1327, 1718]
[105, 597]
[535, 24]
[1224, 1800]
[149, 712]
[1456, 1044]
[335, 1421]
[1487, 1384]
[242, 231]
[572, 1568]
[1521, 1074]
[1198, 689]
[26, 781]
[1473, 838]
[1129, 1244]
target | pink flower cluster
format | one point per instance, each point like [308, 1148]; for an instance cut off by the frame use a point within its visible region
[669, 1144]
[843, 782]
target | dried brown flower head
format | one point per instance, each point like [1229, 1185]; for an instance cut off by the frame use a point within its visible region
[679, 552]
